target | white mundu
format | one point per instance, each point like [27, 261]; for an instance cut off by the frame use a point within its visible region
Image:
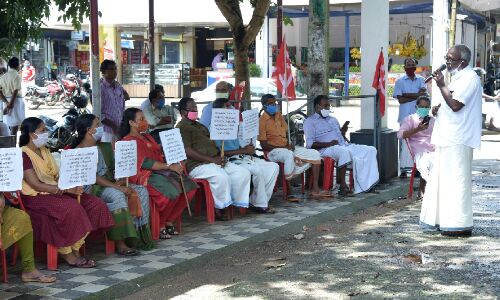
[447, 204]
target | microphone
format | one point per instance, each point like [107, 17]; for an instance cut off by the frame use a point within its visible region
[442, 68]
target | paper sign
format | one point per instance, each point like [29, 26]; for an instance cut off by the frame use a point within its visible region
[173, 146]
[125, 159]
[11, 169]
[250, 123]
[224, 124]
[78, 167]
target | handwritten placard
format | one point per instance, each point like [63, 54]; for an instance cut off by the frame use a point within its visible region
[78, 167]
[125, 159]
[173, 147]
[250, 123]
[11, 169]
[224, 124]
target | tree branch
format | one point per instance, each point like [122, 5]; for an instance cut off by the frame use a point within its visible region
[255, 24]
[230, 9]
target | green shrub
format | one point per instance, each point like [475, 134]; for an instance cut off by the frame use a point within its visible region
[254, 70]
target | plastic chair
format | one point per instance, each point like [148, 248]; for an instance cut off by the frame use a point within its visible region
[413, 171]
[154, 219]
[283, 178]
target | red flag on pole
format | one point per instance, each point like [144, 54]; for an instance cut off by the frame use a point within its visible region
[283, 73]
[379, 82]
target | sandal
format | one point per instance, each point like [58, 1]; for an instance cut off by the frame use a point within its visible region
[322, 194]
[262, 210]
[171, 230]
[83, 263]
[128, 252]
[40, 279]
[345, 192]
[293, 199]
[164, 234]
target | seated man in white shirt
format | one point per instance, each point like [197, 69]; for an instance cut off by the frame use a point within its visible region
[146, 103]
[324, 134]
[159, 116]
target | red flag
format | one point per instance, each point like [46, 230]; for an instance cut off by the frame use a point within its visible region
[283, 73]
[379, 82]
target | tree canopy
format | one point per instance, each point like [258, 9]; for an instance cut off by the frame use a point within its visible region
[21, 20]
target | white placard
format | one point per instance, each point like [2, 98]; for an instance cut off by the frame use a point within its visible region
[250, 123]
[173, 146]
[125, 159]
[224, 124]
[11, 169]
[78, 167]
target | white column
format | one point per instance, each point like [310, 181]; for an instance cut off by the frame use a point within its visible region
[374, 35]
[262, 48]
[439, 43]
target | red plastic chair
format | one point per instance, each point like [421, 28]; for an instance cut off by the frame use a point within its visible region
[283, 179]
[413, 171]
[154, 219]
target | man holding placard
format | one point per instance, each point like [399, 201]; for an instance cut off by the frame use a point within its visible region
[264, 173]
[273, 138]
[229, 183]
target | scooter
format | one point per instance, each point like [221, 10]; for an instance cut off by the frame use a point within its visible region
[62, 132]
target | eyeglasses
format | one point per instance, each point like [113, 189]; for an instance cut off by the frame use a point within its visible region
[449, 59]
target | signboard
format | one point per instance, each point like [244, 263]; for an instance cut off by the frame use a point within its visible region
[77, 35]
[173, 146]
[11, 169]
[78, 167]
[83, 47]
[250, 123]
[224, 124]
[125, 159]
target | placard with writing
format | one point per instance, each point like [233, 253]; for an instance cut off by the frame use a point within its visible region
[250, 123]
[173, 147]
[224, 124]
[11, 169]
[78, 167]
[125, 159]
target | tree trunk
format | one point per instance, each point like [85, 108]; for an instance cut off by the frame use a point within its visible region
[317, 59]
[241, 70]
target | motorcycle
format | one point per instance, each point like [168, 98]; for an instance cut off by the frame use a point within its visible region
[71, 88]
[62, 132]
[48, 95]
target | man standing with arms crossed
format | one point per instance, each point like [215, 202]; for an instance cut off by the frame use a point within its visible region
[447, 205]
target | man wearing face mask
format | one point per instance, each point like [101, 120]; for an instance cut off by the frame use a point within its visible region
[296, 160]
[229, 183]
[323, 133]
[222, 91]
[159, 116]
[417, 130]
[407, 89]
[447, 204]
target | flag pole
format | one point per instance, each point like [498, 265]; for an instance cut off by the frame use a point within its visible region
[285, 91]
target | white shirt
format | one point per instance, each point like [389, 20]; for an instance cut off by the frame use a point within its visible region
[464, 126]
[10, 82]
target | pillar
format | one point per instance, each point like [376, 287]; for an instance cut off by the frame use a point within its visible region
[319, 17]
[439, 42]
[262, 48]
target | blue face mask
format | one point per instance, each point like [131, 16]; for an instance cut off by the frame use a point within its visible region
[160, 104]
[423, 111]
[271, 109]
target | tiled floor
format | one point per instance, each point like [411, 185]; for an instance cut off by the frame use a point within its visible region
[195, 240]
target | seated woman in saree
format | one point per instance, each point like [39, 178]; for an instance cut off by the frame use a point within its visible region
[129, 205]
[162, 180]
[57, 217]
[15, 227]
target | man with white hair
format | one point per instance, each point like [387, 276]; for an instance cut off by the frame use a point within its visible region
[447, 205]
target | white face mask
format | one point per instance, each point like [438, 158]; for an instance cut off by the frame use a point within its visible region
[41, 139]
[97, 135]
[221, 95]
[325, 113]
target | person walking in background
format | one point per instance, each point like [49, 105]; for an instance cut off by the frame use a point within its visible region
[28, 75]
[113, 98]
[447, 205]
[407, 89]
[13, 104]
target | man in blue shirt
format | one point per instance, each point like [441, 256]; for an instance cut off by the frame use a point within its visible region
[407, 89]
[222, 91]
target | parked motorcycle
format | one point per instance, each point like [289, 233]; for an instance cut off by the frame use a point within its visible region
[48, 95]
[71, 88]
[62, 132]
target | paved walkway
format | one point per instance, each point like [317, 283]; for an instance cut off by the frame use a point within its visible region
[115, 274]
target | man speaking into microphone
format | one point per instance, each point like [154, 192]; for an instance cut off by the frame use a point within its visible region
[447, 204]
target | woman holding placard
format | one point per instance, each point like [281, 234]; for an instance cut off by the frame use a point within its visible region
[129, 205]
[162, 180]
[15, 227]
[57, 217]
